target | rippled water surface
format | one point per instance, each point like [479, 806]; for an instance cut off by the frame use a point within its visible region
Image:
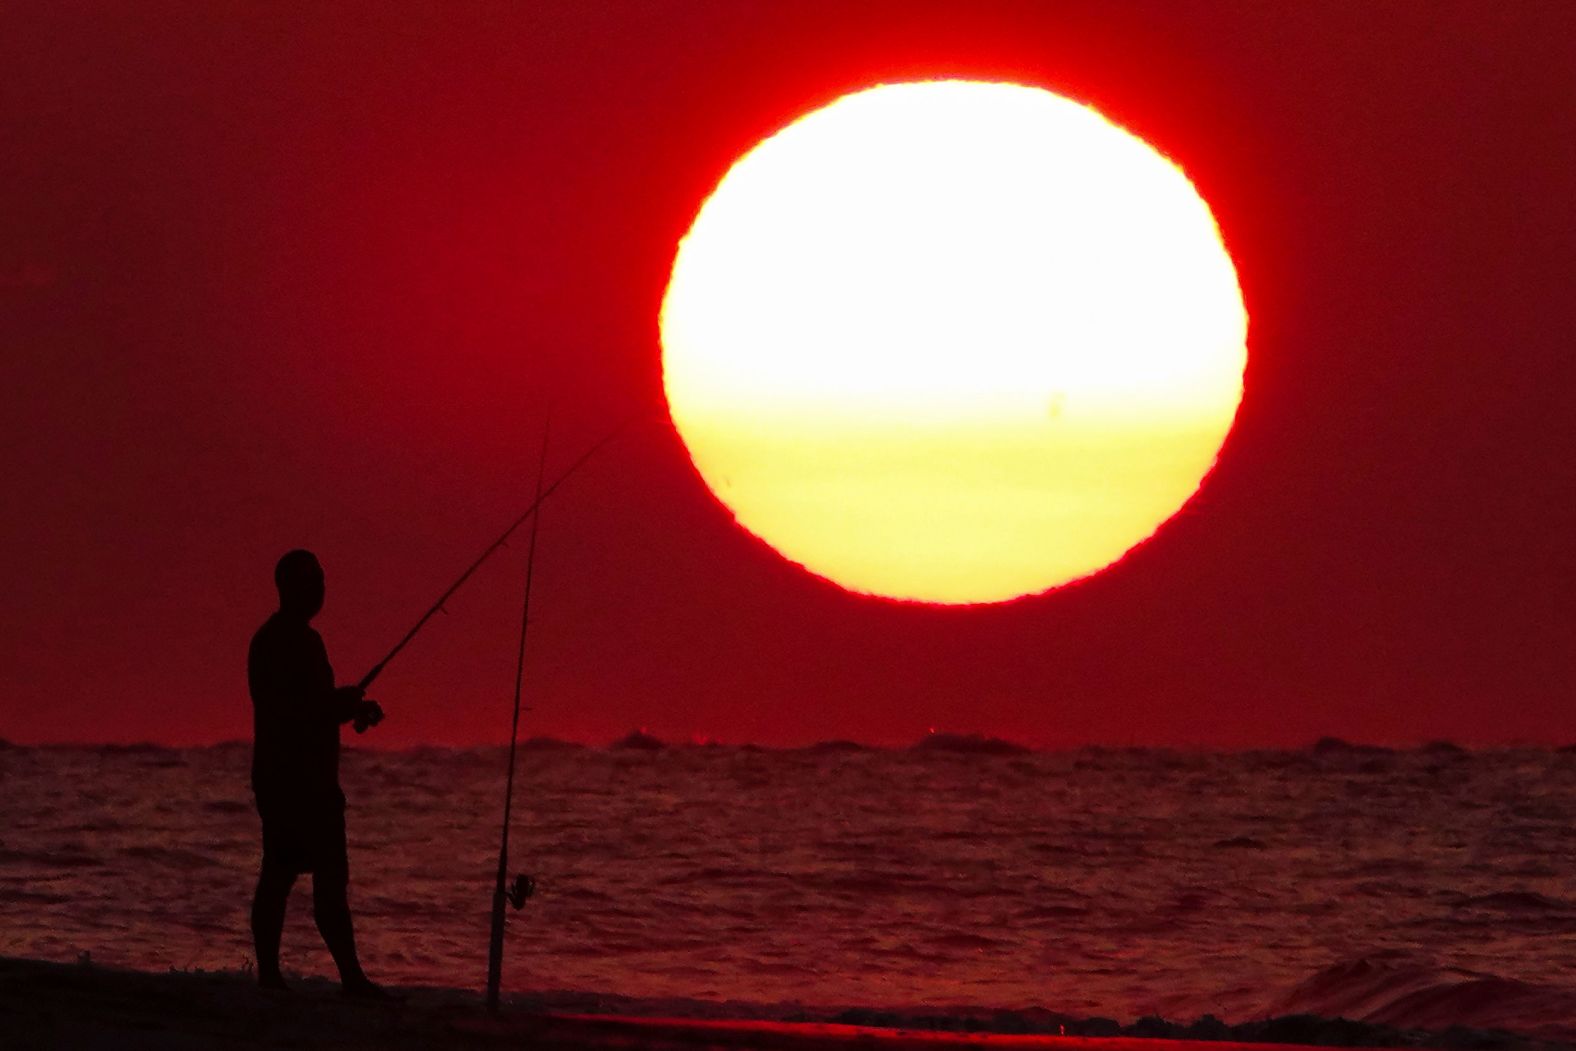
[1097, 882]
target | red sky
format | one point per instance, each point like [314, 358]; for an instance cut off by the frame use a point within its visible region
[313, 277]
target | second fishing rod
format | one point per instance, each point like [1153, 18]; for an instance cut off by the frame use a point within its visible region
[523, 886]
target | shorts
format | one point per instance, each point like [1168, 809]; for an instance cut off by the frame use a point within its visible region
[301, 836]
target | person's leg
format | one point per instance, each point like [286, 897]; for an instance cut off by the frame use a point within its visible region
[268, 920]
[331, 910]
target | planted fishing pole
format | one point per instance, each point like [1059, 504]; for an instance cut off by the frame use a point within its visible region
[523, 886]
[542, 494]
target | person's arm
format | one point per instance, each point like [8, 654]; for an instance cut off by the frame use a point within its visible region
[339, 703]
[346, 702]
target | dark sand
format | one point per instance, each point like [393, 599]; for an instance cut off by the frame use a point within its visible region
[51, 1005]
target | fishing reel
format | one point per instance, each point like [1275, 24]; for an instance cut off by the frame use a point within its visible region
[522, 888]
[370, 715]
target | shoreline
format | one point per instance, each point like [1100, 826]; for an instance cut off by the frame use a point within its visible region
[56, 1005]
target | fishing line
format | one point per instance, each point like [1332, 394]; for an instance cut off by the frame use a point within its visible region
[542, 495]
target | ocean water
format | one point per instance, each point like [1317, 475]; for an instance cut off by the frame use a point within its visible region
[1417, 887]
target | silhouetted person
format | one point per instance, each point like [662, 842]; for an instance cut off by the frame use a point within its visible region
[296, 714]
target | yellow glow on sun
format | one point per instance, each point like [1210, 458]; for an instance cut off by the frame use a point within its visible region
[953, 341]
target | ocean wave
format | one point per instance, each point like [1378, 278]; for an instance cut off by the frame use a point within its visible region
[1338, 746]
[174, 857]
[837, 747]
[1051, 912]
[638, 741]
[136, 748]
[227, 806]
[968, 744]
[1395, 990]
[54, 859]
[549, 744]
[965, 941]
[1513, 901]
[1239, 843]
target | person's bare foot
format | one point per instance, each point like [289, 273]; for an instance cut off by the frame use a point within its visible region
[274, 982]
[367, 989]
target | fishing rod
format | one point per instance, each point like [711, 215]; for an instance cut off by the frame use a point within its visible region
[524, 886]
[542, 494]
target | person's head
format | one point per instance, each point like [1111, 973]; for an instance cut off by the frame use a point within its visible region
[299, 579]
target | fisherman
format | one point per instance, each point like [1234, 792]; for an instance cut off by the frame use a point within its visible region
[296, 714]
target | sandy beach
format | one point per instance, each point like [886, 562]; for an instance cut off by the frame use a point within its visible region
[54, 1005]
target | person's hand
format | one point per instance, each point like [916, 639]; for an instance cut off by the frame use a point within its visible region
[369, 714]
[350, 694]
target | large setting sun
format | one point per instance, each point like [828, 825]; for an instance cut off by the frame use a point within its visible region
[953, 341]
